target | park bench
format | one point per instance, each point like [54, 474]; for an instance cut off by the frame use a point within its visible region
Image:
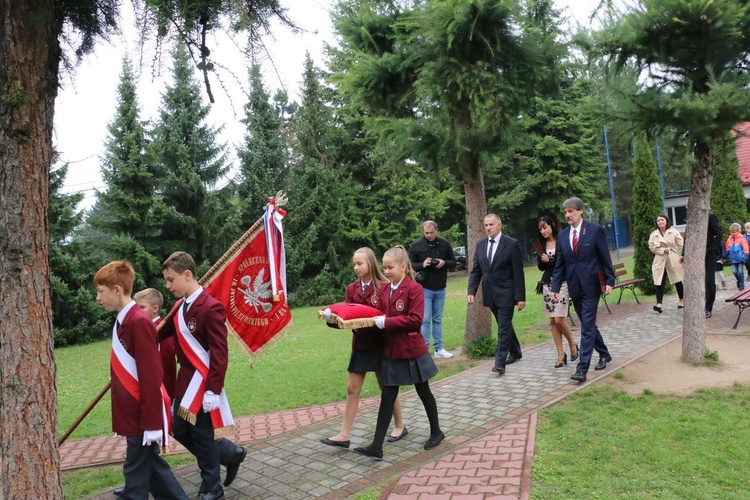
[621, 283]
[742, 300]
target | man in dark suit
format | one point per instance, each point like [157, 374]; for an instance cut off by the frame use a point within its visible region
[498, 266]
[581, 253]
[713, 254]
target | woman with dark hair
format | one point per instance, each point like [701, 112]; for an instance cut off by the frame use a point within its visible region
[555, 310]
[666, 244]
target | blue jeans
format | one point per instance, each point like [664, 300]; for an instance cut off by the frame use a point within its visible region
[434, 301]
[738, 270]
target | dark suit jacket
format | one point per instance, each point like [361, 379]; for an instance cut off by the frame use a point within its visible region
[365, 339]
[208, 318]
[503, 283]
[581, 271]
[129, 416]
[404, 311]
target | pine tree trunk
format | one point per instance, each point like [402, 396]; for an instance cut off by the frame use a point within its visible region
[29, 55]
[694, 322]
[478, 317]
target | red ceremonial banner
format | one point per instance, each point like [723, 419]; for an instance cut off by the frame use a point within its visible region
[243, 285]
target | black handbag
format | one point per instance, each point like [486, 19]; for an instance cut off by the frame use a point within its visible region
[539, 287]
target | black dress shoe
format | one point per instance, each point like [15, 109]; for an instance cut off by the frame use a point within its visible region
[393, 439]
[603, 362]
[657, 309]
[579, 376]
[116, 492]
[233, 467]
[331, 442]
[434, 441]
[210, 495]
[370, 452]
[512, 359]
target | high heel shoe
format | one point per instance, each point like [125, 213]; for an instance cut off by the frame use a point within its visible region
[564, 362]
[575, 357]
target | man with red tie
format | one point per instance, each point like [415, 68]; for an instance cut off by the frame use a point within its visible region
[581, 253]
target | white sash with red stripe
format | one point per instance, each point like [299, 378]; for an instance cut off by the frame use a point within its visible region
[192, 401]
[126, 372]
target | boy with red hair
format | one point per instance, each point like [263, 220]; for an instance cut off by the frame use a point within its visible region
[140, 406]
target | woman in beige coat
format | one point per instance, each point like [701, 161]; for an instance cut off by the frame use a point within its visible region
[666, 244]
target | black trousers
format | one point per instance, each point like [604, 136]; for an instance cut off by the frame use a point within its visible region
[507, 340]
[209, 453]
[145, 471]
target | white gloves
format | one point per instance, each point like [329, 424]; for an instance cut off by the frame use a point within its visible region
[210, 401]
[150, 437]
[327, 314]
[380, 322]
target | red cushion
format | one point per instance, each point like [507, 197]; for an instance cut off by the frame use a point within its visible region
[348, 311]
[352, 316]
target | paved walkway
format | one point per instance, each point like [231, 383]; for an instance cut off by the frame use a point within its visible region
[489, 422]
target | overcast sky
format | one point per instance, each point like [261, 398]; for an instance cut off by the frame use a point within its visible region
[86, 102]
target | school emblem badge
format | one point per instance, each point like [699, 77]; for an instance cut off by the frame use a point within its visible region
[399, 305]
[191, 324]
[374, 300]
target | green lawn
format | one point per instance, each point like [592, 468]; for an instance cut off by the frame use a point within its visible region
[603, 443]
[281, 377]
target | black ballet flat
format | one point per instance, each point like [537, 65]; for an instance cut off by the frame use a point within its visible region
[564, 362]
[657, 309]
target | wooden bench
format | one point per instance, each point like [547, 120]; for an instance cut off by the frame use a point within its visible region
[742, 300]
[622, 284]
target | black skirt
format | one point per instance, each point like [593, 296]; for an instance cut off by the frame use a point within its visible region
[408, 371]
[365, 361]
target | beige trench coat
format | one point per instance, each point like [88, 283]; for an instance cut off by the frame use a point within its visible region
[657, 243]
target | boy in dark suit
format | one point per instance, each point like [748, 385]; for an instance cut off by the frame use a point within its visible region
[201, 407]
[139, 408]
[498, 264]
[581, 253]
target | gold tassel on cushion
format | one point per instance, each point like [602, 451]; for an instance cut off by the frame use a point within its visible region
[351, 324]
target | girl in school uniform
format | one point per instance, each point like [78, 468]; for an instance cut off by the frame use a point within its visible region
[405, 357]
[367, 347]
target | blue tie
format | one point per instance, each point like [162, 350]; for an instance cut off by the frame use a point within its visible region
[489, 252]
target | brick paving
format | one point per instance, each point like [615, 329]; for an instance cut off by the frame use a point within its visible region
[489, 422]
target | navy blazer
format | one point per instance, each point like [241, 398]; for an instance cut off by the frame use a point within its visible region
[581, 271]
[503, 283]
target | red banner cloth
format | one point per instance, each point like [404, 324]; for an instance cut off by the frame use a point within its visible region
[243, 285]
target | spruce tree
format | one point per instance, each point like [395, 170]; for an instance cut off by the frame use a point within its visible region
[317, 196]
[130, 209]
[263, 168]
[727, 196]
[647, 205]
[76, 316]
[185, 149]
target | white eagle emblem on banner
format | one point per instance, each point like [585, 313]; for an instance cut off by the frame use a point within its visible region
[257, 291]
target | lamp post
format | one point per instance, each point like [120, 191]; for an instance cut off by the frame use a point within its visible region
[611, 191]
